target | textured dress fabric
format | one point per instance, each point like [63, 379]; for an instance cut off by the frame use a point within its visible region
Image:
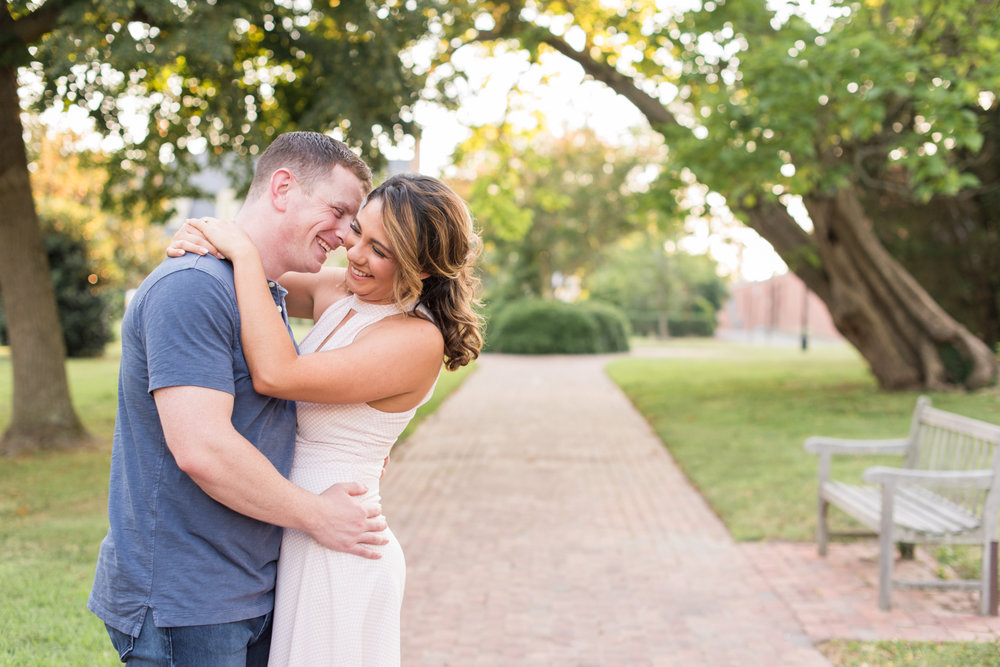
[333, 608]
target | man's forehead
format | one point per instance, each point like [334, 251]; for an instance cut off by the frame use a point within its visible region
[343, 188]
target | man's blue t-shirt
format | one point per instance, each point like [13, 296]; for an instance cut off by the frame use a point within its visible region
[170, 547]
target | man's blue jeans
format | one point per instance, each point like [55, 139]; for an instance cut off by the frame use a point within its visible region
[240, 644]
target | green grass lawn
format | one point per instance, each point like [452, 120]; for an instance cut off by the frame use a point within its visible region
[734, 417]
[53, 515]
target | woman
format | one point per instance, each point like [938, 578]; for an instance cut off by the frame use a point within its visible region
[383, 326]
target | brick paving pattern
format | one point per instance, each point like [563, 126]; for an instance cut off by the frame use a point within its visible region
[837, 596]
[544, 524]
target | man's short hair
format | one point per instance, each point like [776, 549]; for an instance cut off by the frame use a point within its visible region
[310, 156]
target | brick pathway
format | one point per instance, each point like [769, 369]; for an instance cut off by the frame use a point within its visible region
[544, 524]
[837, 596]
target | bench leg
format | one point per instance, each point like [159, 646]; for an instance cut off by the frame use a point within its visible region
[822, 532]
[885, 558]
[988, 585]
[886, 553]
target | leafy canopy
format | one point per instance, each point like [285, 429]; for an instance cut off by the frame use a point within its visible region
[177, 84]
[765, 98]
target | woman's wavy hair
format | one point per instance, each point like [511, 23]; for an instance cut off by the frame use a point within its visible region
[431, 231]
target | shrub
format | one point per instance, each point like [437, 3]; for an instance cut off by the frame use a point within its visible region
[553, 327]
[612, 324]
[695, 325]
[83, 309]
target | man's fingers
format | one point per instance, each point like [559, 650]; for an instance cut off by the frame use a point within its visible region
[375, 537]
[364, 552]
[354, 488]
[376, 525]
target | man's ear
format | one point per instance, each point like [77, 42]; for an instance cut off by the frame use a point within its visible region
[281, 185]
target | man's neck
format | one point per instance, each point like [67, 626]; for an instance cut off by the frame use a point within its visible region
[261, 233]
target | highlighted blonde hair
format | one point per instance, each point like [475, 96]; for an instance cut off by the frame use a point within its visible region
[430, 230]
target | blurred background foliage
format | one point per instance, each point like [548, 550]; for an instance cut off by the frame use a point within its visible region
[94, 255]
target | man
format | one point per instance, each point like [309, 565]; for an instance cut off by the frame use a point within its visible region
[198, 491]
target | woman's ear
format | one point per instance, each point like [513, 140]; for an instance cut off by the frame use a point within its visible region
[281, 185]
[424, 275]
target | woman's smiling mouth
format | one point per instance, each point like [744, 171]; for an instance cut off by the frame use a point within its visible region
[358, 274]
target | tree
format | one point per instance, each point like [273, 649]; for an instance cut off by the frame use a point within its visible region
[550, 205]
[655, 284]
[884, 101]
[200, 78]
[68, 179]
[94, 256]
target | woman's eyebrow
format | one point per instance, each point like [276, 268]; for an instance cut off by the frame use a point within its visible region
[371, 240]
[381, 245]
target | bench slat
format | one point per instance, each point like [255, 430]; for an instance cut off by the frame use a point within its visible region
[915, 508]
[961, 424]
[940, 514]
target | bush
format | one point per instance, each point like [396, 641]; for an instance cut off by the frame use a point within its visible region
[553, 327]
[613, 325]
[83, 309]
[699, 326]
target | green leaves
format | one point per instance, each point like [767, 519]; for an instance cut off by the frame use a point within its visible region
[768, 102]
[182, 84]
[550, 205]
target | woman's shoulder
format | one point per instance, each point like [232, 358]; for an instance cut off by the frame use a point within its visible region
[408, 330]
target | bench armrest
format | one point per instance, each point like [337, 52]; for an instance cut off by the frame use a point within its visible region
[820, 444]
[975, 479]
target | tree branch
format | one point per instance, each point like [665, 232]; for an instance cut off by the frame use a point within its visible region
[772, 221]
[649, 106]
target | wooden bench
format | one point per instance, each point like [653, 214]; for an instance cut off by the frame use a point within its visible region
[945, 492]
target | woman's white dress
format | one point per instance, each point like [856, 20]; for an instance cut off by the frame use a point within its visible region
[333, 608]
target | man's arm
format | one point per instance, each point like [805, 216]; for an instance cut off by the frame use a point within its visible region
[199, 433]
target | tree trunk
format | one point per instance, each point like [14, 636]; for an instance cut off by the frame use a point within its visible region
[545, 289]
[42, 414]
[908, 341]
[663, 290]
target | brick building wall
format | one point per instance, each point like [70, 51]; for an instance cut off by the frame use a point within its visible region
[780, 308]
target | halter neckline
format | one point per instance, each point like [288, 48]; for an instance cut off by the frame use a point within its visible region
[363, 307]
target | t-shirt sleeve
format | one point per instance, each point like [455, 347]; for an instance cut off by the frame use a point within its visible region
[191, 332]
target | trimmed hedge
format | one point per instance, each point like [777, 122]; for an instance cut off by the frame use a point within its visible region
[698, 326]
[612, 323]
[552, 327]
